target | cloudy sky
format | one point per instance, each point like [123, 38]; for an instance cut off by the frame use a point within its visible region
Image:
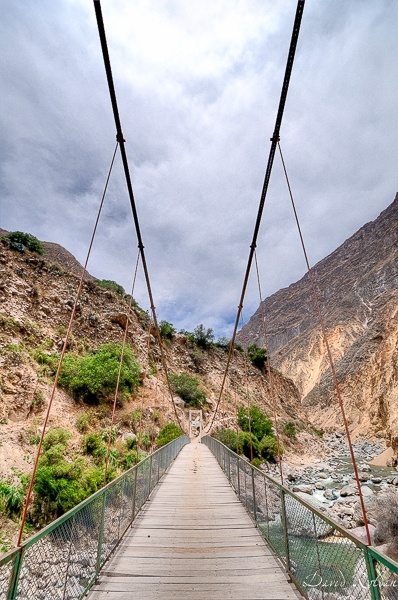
[198, 86]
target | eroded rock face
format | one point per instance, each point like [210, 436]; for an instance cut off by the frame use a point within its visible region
[358, 292]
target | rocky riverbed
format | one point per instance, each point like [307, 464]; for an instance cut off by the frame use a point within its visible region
[329, 484]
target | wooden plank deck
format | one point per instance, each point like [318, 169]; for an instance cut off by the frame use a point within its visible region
[193, 540]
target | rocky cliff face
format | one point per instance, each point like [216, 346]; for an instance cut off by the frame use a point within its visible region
[358, 292]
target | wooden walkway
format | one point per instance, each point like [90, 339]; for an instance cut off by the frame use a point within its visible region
[193, 540]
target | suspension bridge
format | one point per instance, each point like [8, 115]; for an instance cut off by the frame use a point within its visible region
[194, 520]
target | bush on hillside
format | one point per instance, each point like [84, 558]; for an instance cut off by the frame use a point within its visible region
[167, 434]
[167, 330]
[258, 356]
[187, 388]
[260, 425]
[255, 441]
[228, 437]
[203, 337]
[12, 497]
[111, 285]
[93, 376]
[60, 484]
[290, 430]
[25, 239]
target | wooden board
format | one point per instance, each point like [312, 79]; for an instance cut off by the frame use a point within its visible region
[193, 540]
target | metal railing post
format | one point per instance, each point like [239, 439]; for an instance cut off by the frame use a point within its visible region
[372, 576]
[254, 497]
[150, 476]
[101, 535]
[16, 571]
[134, 495]
[238, 469]
[285, 532]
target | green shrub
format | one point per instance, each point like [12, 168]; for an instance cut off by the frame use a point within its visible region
[144, 440]
[57, 437]
[258, 356]
[248, 445]
[268, 448]
[109, 433]
[135, 419]
[12, 498]
[256, 462]
[318, 432]
[203, 337]
[93, 444]
[83, 422]
[169, 432]
[56, 269]
[228, 437]
[187, 388]
[108, 284]
[130, 459]
[130, 442]
[94, 375]
[167, 330]
[260, 424]
[290, 430]
[60, 484]
[26, 239]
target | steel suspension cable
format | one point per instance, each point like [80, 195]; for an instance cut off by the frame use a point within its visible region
[329, 353]
[270, 377]
[274, 140]
[119, 374]
[121, 140]
[63, 351]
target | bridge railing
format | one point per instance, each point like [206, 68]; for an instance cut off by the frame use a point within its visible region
[62, 561]
[324, 560]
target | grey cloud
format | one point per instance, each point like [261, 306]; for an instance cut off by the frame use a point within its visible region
[197, 136]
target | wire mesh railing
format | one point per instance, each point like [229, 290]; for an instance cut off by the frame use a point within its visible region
[323, 559]
[62, 561]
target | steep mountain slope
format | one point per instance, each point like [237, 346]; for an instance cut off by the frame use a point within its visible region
[36, 299]
[358, 292]
[37, 294]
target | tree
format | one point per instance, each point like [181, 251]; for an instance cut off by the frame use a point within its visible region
[167, 330]
[203, 337]
[260, 425]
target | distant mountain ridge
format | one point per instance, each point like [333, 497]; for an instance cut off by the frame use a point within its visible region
[361, 269]
[358, 292]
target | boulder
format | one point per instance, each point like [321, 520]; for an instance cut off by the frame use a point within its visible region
[348, 490]
[360, 533]
[303, 488]
[366, 490]
[375, 479]
[330, 494]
